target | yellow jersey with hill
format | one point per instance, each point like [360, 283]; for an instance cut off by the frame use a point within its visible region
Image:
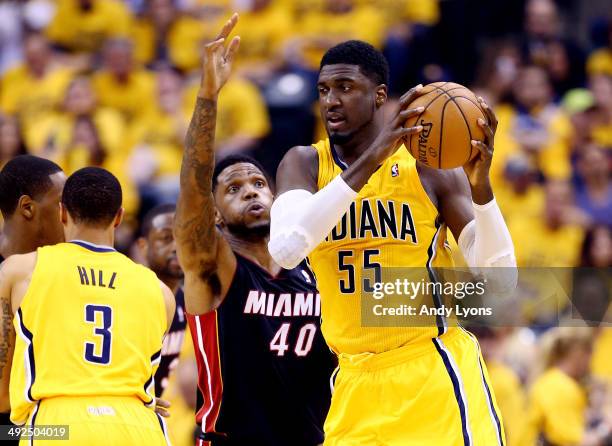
[90, 324]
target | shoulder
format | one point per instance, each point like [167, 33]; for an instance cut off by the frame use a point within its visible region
[18, 265]
[306, 154]
[299, 169]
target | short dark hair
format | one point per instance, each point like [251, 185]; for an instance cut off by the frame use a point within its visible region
[235, 159]
[92, 196]
[24, 175]
[355, 52]
[147, 221]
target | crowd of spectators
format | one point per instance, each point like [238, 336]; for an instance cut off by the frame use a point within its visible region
[112, 83]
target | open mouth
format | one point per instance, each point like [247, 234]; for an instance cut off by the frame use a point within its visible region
[255, 209]
[335, 120]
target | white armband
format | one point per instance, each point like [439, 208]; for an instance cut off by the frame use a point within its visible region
[301, 220]
[485, 242]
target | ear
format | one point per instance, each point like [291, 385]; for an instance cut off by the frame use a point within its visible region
[26, 207]
[218, 218]
[118, 217]
[381, 95]
[63, 214]
[143, 246]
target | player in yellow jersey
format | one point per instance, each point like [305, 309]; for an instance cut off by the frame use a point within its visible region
[31, 188]
[358, 201]
[89, 324]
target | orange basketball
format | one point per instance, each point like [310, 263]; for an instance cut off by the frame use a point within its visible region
[449, 124]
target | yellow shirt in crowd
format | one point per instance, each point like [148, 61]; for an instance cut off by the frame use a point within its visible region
[554, 157]
[58, 135]
[85, 31]
[163, 136]
[601, 360]
[557, 405]
[262, 33]
[516, 207]
[134, 98]
[600, 62]
[362, 23]
[537, 245]
[184, 41]
[511, 400]
[33, 100]
[424, 12]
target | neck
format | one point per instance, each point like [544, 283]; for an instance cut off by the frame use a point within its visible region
[361, 140]
[255, 249]
[16, 240]
[96, 236]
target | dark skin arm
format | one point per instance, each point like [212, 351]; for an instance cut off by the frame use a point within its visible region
[300, 165]
[204, 254]
[452, 191]
[7, 339]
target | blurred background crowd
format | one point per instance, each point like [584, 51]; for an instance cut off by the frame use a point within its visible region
[112, 83]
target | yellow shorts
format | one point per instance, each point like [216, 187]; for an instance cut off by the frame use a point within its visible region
[99, 421]
[433, 393]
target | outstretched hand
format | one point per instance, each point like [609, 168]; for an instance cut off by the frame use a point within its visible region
[477, 169]
[217, 60]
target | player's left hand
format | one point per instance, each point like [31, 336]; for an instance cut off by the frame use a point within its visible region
[161, 406]
[477, 170]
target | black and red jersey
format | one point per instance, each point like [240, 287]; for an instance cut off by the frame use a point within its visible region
[173, 342]
[263, 367]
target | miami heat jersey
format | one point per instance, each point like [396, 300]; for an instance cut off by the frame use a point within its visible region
[264, 368]
[391, 224]
[172, 345]
[90, 323]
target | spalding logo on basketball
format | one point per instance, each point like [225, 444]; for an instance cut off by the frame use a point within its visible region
[450, 122]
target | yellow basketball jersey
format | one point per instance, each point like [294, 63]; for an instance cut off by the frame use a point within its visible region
[391, 224]
[90, 324]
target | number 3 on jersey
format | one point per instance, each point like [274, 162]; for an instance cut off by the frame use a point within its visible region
[101, 316]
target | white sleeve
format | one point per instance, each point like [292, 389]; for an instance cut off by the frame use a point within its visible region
[301, 220]
[485, 243]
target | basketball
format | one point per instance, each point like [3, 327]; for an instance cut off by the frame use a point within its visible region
[450, 122]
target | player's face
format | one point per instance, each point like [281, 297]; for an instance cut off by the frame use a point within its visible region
[161, 248]
[243, 198]
[49, 226]
[347, 101]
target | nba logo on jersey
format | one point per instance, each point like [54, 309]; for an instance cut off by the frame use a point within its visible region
[395, 170]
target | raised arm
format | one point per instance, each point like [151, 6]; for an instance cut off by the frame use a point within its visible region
[205, 256]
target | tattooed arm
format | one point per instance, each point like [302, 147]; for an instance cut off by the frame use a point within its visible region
[7, 338]
[205, 256]
[15, 275]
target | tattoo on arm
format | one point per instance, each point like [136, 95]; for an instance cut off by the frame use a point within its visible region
[195, 223]
[7, 334]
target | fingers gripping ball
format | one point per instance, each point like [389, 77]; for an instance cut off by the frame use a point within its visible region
[450, 122]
